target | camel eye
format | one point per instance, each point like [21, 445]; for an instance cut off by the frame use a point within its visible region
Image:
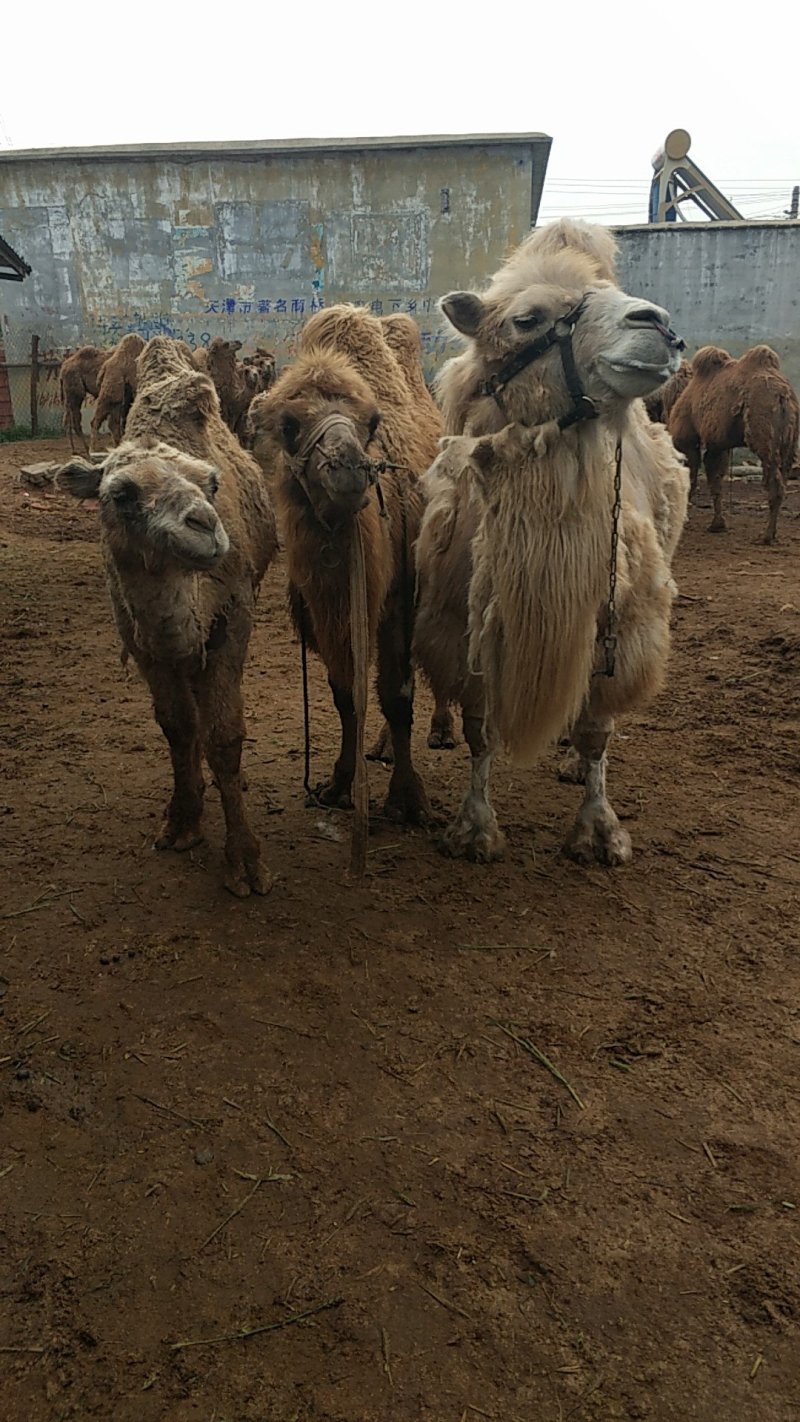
[527, 323]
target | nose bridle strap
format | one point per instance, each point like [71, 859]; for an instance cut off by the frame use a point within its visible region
[560, 334]
[374, 467]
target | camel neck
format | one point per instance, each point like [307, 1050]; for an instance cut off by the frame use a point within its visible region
[164, 609]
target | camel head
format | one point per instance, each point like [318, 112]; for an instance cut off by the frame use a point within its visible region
[319, 419]
[621, 346]
[156, 505]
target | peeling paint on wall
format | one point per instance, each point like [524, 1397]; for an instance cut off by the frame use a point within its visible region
[250, 247]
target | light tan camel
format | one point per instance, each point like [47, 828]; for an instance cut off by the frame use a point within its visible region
[728, 403]
[117, 388]
[236, 384]
[659, 405]
[80, 376]
[513, 554]
[187, 532]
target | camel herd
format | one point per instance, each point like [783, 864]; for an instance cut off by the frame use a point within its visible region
[110, 377]
[517, 532]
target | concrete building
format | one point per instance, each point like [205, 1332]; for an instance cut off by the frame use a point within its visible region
[731, 284]
[246, 239]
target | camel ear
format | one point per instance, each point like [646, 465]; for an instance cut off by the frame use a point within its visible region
[464, 310]
[80, 478]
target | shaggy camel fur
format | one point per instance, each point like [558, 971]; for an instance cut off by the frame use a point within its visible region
[513, 553]
[321, 476]
[187, 532]
[728, 403]
[659, 405]
[117, 388]
[401, 334]
[235, 384]
[80, 376]
[410, 420]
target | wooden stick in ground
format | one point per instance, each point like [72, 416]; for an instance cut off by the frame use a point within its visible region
[359, 644]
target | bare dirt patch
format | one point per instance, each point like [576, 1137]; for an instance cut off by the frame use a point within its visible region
[223, 1116]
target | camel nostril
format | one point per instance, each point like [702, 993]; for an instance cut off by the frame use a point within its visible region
[647, 316]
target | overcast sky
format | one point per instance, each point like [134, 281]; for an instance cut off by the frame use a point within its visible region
[606, 82]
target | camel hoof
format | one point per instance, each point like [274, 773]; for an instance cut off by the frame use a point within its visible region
[241, 881]
[333, 795]
[599, 840]
[718, 525]
[572, 770]
[441, 738]
[407, 803]
[381, 752]
[179, 840]
[479, 844]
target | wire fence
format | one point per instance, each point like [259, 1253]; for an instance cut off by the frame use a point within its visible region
[30, 390]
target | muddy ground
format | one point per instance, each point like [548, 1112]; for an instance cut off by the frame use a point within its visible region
[221, 1116]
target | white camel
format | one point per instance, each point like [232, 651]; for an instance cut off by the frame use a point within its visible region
[514, 553]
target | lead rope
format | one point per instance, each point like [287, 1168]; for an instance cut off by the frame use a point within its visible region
[310, 796]
[359, 644]
[610, 629]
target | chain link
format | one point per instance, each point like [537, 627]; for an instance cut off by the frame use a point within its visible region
[610, 629]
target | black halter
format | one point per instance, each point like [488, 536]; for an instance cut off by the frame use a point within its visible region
[560, 334]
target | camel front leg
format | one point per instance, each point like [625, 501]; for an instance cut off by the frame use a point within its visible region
[336, 793]
[475, 833]
[177, 714]
[406, 800]
[219, 693]
[775, 487]
[597, 836]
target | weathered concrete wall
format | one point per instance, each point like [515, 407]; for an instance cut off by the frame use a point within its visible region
[245, 240]
[725, 284]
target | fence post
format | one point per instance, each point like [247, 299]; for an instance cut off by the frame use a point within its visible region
[34, 386]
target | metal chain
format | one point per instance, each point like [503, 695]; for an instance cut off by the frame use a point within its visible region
[610, 630]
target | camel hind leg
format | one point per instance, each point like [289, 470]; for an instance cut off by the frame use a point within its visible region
[596, 836]
[776, 488]
[475, 833]
[718, 463]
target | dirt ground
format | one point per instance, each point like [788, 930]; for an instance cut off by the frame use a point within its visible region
[221, 1116]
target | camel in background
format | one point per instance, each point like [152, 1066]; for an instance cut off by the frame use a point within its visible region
[729, 403]
[80, 377]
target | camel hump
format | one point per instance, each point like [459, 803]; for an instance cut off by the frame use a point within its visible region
[710, 359]
[575, 235]
[761, 358]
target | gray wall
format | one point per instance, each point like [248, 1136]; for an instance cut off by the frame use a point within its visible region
[246, 240]
[728, 284]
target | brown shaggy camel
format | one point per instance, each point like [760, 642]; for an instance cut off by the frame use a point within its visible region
[80, 376]
[339, 407]
[513, 554]
[235, 384]
[728, 403]
[117, 388]
[659, 404]
[187, 532]
[401, 334]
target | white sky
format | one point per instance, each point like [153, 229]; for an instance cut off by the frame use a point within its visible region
[606, 89]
